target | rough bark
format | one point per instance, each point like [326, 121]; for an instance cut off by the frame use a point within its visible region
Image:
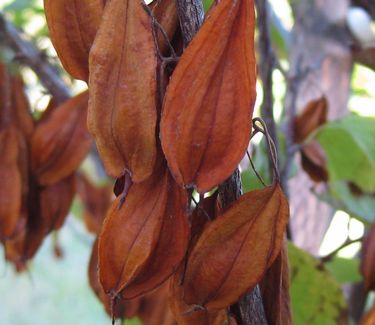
[191, 15]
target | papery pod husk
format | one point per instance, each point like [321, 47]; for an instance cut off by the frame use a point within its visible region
[122, 309]
[183, 313]
[154, 308]
[205, 124]
[14, 252]
[275, 290]
[314, 162]
[72, 28]
[55, 202]
[368, 260]
[122, 110]
[96, 201]
[47, 210]
[186, 315]
[151, 231]
[51, 106]
[5, 97]
[313, 116]
[11, 182]
[60, 143]
[22, 116]
[165, 12]
[235, 250]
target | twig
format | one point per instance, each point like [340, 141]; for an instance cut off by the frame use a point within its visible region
[191, 15]
[27, 54]
[254, 169]
[347, 243]
[267, 64]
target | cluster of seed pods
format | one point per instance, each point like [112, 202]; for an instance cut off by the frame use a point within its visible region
[38, 162]
[166, 126]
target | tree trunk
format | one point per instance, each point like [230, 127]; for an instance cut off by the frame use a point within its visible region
[320, 51]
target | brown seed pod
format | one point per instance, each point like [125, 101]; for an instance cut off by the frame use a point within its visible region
[314, 162]
[154, 308]
[275, 290]
[185, 315]
[368, 260]
[235, 250]
[96, 201]
[61, 142]
[122, 309]
[11, 182]
[144, 240]
[313, 116]
[205, 124]
[122, 107]
[165, 12]
[47, 213]
[21, 107]
[72, 27]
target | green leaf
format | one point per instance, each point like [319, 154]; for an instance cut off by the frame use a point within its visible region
[207, 4]
[350, 148]
[359, 206]
[345, 270]
[133, 321]
[316, 296]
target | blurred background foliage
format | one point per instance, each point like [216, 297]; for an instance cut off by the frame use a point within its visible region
[56, 291]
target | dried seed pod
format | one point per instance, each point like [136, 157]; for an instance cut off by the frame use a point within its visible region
[154, 308]
[205, 125]
[314, 162]
[122, 309]
[48, 209]
[368, 260]
[235, 250]
[61, 142]
[6, 112]
[144, 240]
[11, 182]
[55, 202]
[165, 12]
[184, 315]
[275, 290]
[313, 116]
[122, 108]
[72, 27]
[96, 201]
[21, 107]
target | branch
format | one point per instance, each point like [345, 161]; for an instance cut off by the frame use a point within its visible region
[28, 54]
[191, 15]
